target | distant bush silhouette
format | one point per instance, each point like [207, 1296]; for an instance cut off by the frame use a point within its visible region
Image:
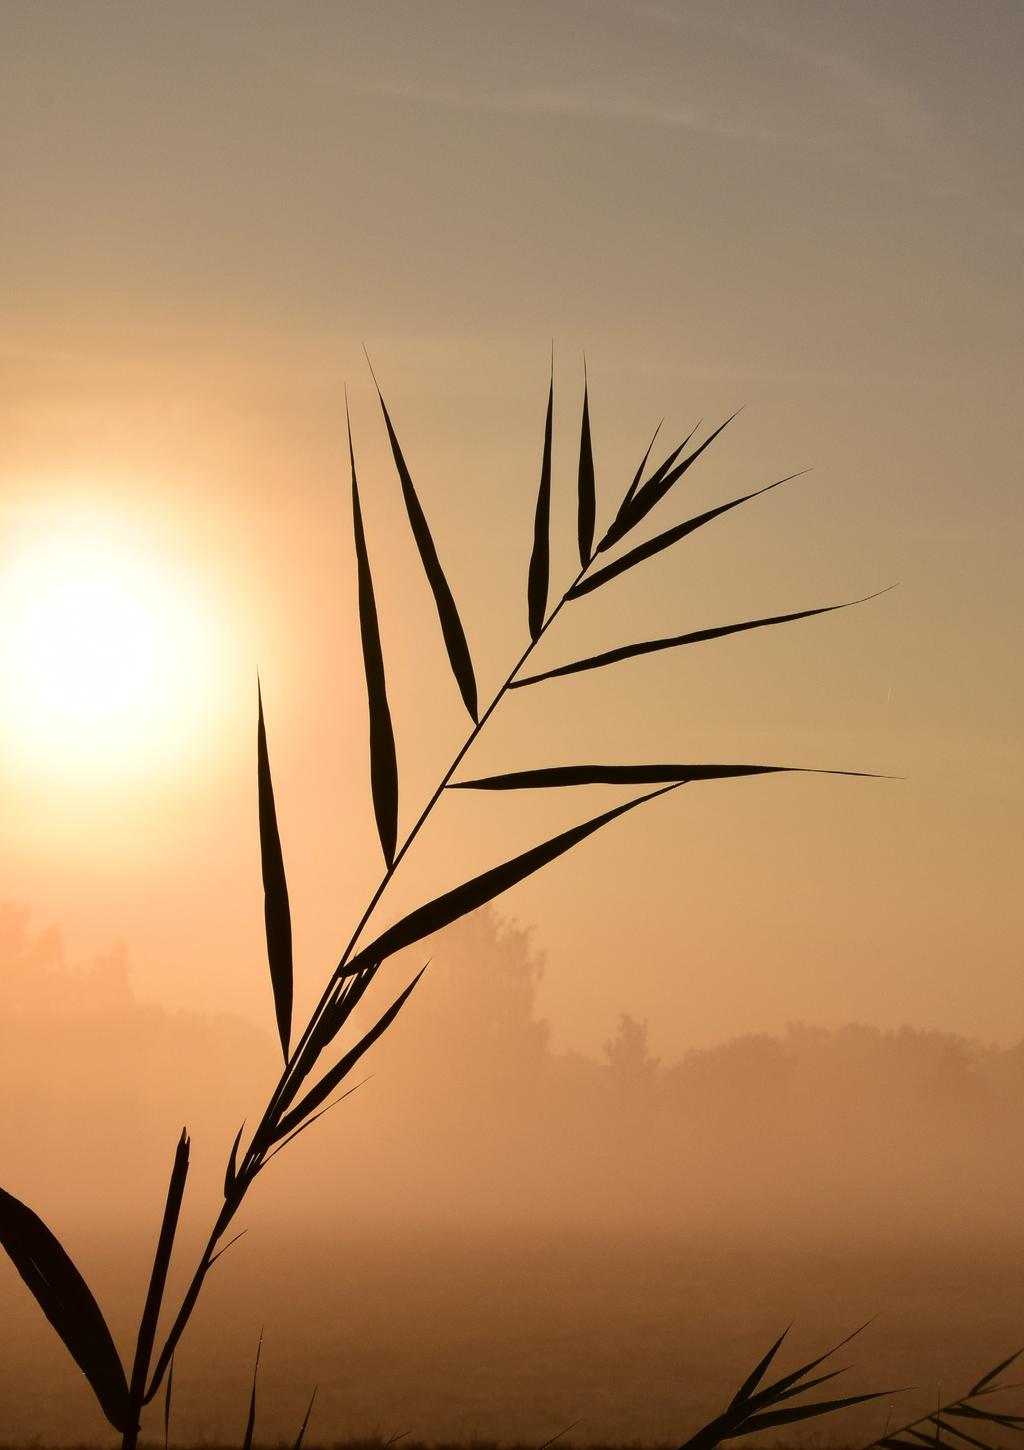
[314, 1076]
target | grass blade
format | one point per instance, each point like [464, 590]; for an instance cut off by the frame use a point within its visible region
[537, 583]
[451, 625]
[443, 910]
[231, 1171]
[586, 486]
[276, 912]
[305, 1422]
[250, 1424]
[620, 525]
[805, 1412]
[383, 761]
[631, 490]
[570, 775]
[953, 1430]
[331, 1079]
[167, 1403]
[158, 1277]
[697, 636]
[756, 1375]
[655, 489]
[987, 1379]
[667, 539]
[65, 1299]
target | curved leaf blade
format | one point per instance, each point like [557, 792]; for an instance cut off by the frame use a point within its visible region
[621, 525]
[276, 912]
[445, 909]
[66, 1300]
[309, 1411]
[586, 485]
[667, 539]
[344, 1066]
[631, 490]
[448, 615]
[697, 636]
[570, 775]
[788, 1416]
[655, 489]
[250, 1424]
[537, 581]
[383, 761]
[756, 1375]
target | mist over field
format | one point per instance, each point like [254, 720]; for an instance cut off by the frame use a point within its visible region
[493, 1238]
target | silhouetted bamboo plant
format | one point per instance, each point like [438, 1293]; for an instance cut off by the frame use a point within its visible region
[946, 1424]
[300, 1096]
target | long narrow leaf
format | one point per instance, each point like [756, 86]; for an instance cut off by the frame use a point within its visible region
[331, 1079]
[305, 1422]
[231, 1171]
[773, 1392]
[987, 1379]
[667, 539]
[158, 1277]
[276, 912]
[655, 489]
[756, 1375]
[586, 488]
[383, 762]
[621, 524]
[537, 583]
[806, 1412]
[250, 1423]
[570, 775]
[448, 615]
[631, 490]
[697, 636]
[443, 910]
[167, 1403]
[65, 1299]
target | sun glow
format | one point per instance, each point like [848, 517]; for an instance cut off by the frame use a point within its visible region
[106, 656]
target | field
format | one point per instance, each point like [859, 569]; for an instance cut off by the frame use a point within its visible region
[486, 1338]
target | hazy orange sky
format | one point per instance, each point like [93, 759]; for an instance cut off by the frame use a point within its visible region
[812, 210]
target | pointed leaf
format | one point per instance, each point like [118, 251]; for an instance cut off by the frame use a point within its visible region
[276, 912]
[451, 625]
[794, 1390]
[570, 775]
[805, 1412]
[167, 1403]
[773, 1392]
[158, 1277]
[68, 1304]
[586, 486]
[631, 490]
[755, 1376]
[231, 1171]
[309, 1411]
[655, 489]
[666, 540]
[960, 1434]
[331, 1079]
[987, 1379]
[698, 636]
[250, 1423]
[383, 762]
[443, 910]
[537, 584]
[620, 524]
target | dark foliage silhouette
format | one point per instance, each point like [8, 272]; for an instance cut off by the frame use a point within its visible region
[307, 1086]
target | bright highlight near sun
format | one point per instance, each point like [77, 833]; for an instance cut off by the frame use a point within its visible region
[105, 659]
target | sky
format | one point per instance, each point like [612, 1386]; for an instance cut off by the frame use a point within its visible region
[810, 211]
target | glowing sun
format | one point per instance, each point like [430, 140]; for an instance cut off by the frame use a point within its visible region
[104, 652]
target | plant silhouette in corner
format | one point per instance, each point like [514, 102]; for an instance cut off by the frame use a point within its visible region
[315, 1067]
